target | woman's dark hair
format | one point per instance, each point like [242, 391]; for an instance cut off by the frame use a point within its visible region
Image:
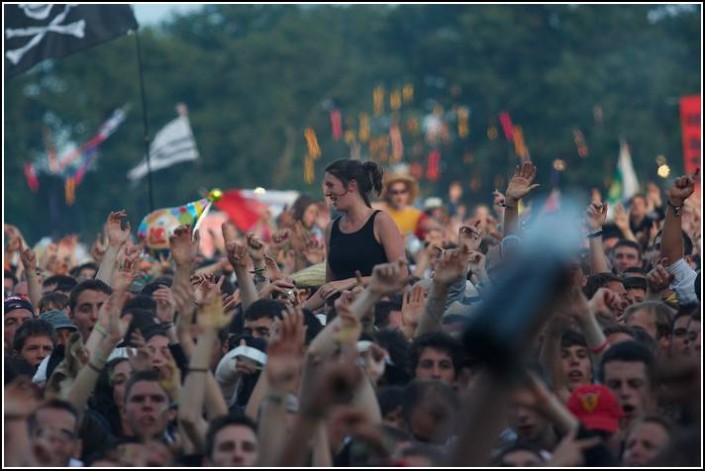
[300, 205]
[368, 175]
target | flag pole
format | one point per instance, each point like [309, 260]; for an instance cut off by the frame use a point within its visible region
[144, 121]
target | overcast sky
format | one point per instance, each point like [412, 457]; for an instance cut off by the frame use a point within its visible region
[151, 13]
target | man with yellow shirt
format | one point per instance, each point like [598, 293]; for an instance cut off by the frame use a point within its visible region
[399, 192]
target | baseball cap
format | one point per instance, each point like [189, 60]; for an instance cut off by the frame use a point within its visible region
[432, 203]
[17, 302]
[596, 406]
[58, 320]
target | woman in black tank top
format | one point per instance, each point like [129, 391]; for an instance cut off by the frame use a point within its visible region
[362, 237]
[357, 251]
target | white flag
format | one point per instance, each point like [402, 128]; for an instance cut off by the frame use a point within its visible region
[173, 144]
[630, 184]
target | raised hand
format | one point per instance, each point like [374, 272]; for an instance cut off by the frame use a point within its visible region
[99, 247]
[285, 349]
[139, 355]
[273, 269]
[229, 234]
[682, 188]
[596, 215]
[388, 278]
[183, 248]
[315, 252]
[621, 218]
[170, 377]
[521, 183]
[607, 304]
[110, 320]
[471, 236]
[434, 240]
[231, 300]
[334, 287]
[477, 263]
[28, 258]
[451, 267]
[412, 307]
[255, 248]
[350, 326]
[283, 287]
[653, 194]
[328, 384]
[126, 271]
[117, 236]
[184, 302]
[279, 240]
[659, 279]
[166, 305]
[375, 362]
[570, 451]
[211, 314]
[299, 238]
[237, 255]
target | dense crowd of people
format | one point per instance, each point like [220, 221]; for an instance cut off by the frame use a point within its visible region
[358, 332]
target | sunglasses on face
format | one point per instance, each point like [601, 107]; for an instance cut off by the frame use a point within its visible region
[398, 192]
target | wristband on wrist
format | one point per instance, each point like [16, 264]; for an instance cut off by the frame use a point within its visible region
[676, 209]
[594, 235]
[100, 330]
[94, 367]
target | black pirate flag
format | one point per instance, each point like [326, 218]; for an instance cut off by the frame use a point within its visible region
[34, 32]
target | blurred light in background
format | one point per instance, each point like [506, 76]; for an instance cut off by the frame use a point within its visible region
[663, 171]
[559, 165]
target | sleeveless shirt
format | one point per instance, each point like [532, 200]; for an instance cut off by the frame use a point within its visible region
[355, 251]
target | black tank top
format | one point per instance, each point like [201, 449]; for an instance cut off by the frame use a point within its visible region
[356, 251]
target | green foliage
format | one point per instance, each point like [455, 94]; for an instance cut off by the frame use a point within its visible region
[254, 76]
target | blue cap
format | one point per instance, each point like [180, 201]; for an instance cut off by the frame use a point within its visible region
[58, 320]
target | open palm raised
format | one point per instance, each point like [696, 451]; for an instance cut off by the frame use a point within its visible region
[521, 183]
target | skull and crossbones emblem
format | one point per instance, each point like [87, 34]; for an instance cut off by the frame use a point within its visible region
[41, 12]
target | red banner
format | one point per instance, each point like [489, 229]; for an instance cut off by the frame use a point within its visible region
[691, 107]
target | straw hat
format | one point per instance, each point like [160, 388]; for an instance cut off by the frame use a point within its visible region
[408, 180]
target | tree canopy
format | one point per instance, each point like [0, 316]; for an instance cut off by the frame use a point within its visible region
[255, 76]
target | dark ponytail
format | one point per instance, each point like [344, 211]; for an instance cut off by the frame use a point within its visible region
[375, 174]
[368, 175]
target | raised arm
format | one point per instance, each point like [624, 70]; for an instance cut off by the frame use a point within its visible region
[211, 318]
[29, 262]
[386, 278]
[451, 268]
[595, 218]
[285, 356]
[237, 254]
[672, 241]
[117, 236]
[111, 328]
[519, 186]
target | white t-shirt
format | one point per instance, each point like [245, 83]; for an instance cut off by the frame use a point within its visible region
[683, 282]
